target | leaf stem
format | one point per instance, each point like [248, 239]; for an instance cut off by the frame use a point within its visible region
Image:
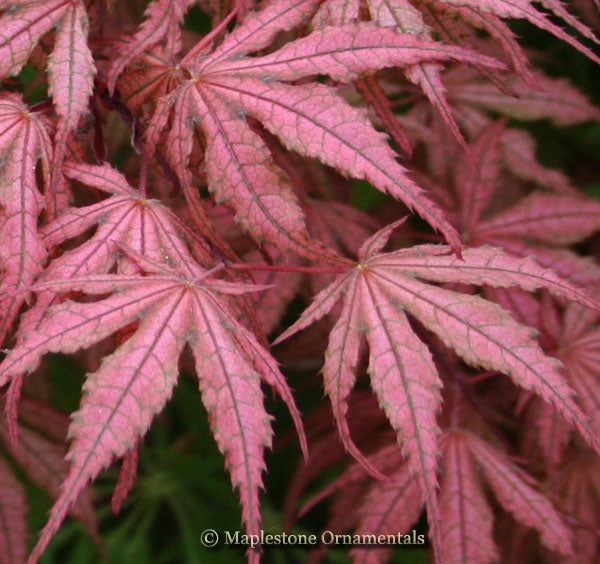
[143, 174]
[282, 268]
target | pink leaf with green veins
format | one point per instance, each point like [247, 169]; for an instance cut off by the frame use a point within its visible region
[22, 253]
[467, 526]
[133, 384]
[13, 517]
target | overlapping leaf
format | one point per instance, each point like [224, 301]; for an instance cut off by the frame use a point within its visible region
[472, 98]
[377, 293]
[536, 225]
[71, 67]
[163, 18]
[467, 461]
[126, 219]
[468, 533]
[134, 383]
[407, 19]
[23, 139]
[311, 119]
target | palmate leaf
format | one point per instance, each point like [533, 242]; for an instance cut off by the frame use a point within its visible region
[576, 344]
[407, 19]
[134, 383]
[376, 294]
[23, 136]
[467, 518]
[163, 18]
[311, 119]
[539, 224]
[534, 226]
[126, 219]
[467, 528]
[70, 66]
[452, 21]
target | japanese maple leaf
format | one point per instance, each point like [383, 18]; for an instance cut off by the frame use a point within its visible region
[540, 224]
[467, 516]
[311, 119]
[126, 219]
[467, 526]
[376, 294]
[579, 489]
[575, 341]
[467, 461]
[473, 98]
[134, 383]
[24, 140]
[163, 19]
[453, 21]
[71, 66]
[407, 19]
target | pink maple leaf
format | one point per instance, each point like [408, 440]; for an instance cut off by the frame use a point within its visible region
[23, 136]
[311, 119]
[71, 66]
[376, 294]
[134, 383]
